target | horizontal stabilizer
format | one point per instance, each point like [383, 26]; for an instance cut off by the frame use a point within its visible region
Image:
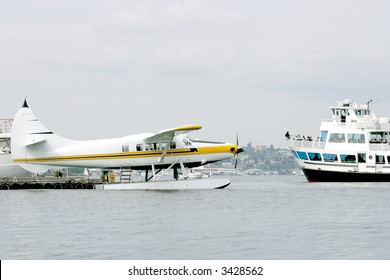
[35, 141]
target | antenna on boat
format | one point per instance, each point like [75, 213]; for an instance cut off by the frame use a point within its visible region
[368, 104]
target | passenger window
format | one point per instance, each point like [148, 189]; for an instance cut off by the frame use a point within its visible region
[125, 148]
[324, 134]
[348, 158]
[361, 158]
[330, 157]
[337, 138]
[139, 147]
[303, 155]
[356, 138]
[315, 156]
[379, 159]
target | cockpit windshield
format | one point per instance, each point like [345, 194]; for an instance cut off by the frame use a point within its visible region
[187, 141]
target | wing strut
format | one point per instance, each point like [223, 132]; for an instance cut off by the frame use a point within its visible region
[165, 150]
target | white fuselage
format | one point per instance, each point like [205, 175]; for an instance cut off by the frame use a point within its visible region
[36, 148]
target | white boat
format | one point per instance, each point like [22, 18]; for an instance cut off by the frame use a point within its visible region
[354, 146]
[7, 166]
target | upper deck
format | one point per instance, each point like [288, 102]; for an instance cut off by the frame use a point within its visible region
[349, 114]
[353, 127]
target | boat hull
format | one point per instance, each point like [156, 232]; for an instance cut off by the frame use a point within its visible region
[334, 176]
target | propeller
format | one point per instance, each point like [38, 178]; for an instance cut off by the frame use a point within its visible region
[239, 150]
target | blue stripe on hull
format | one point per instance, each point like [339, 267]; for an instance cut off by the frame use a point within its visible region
[332, 176]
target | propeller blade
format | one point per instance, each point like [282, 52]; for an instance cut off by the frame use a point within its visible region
[237, 143]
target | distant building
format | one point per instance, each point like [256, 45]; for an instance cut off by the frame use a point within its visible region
[261, 147]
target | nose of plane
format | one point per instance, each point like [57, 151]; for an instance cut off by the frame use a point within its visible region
[236, 149]
[240, 149]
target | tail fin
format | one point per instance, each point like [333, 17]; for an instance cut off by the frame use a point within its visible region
[30, 140]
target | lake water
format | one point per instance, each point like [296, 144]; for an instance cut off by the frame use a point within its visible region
[256, 217]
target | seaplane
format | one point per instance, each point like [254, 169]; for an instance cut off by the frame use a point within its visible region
[37, 149]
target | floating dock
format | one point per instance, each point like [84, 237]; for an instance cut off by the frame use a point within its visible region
[27, 183]
[83, 183]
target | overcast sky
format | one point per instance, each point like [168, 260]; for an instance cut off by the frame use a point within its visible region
[99, 69]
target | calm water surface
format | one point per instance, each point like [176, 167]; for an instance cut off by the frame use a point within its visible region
[256, 217]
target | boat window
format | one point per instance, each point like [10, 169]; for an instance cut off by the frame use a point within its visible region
[348, 158]
[139, 147]
[330, 157]
[380, 159]
[315, 156]
[356, 138]
[294, 153]
[344, 114]
[337, 138]
[324, 135]
[388, 159]
[377, 137]
[362, 158]
[302, 155]
[361, 112]
[125, 148]
[173, 145]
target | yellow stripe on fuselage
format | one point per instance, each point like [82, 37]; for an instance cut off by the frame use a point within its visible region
[140, 154]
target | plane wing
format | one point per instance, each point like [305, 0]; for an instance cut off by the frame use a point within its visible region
[168, 134]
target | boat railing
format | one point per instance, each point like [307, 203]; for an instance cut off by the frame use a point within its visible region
[306, 143]
[5, 125]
